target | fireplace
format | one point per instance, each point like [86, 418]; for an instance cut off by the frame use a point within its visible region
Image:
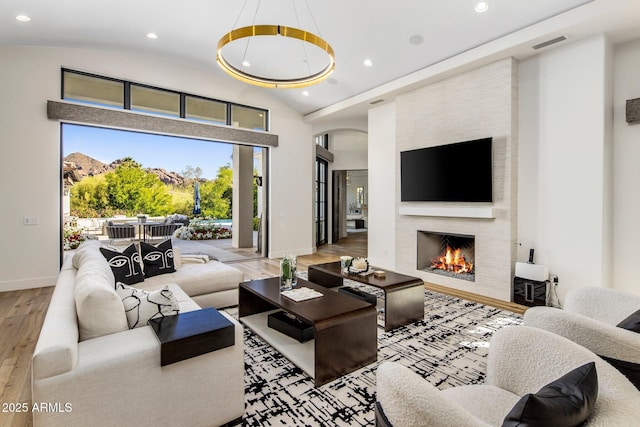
[451, 255]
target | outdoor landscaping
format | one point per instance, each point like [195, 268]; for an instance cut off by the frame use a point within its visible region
[203, 229]
[128, 193]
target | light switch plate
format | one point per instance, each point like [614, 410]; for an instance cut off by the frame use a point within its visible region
[31, 220]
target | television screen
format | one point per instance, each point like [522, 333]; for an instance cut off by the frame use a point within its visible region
[460, 172]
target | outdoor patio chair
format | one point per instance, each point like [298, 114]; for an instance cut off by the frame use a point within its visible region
[162, 231]
[120, 231]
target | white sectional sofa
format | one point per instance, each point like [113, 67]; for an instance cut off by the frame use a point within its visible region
[113, 377]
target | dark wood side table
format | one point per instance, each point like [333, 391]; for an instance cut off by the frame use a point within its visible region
[191, 334]
[404, 295]
[344, 328]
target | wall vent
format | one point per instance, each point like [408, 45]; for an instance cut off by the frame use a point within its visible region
[549, 42]
[377, 101]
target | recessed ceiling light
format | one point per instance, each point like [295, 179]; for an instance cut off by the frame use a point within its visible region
[152, 36]
[416, 39]
[368, 63]
[305, 93]
[246, 63]
[482, 6]
[23, 18]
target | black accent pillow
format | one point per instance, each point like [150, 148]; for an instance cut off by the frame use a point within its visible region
[125, 265]
[567, 401]
[628, 369]
[157, 259]
[631, 323]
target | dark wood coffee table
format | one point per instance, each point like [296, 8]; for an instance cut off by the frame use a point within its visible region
[344, 328]
[404, 295]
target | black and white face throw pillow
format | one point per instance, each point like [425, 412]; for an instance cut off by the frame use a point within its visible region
[125, 265]
[142, 306]
[157, 259]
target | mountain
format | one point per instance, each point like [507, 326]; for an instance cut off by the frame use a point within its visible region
[167, 177]
[88, 166]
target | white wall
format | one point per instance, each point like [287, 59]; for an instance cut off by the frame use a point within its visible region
[382, 186]
[564, 171]
[626, 268]
[349, 148]
[30, 166]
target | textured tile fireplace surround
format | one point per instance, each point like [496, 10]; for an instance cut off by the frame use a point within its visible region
[477, 104]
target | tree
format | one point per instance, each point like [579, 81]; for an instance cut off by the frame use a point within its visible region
[191, 174]
[216, 196]
[133, 190]
[90, 198]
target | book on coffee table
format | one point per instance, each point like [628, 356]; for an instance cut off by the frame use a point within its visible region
[301, 294]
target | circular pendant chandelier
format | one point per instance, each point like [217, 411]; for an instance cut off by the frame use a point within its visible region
[251, 32]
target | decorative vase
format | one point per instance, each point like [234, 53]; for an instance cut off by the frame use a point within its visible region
[288, 278]
[345, 262]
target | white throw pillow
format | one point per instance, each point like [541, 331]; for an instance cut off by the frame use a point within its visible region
[141, 306]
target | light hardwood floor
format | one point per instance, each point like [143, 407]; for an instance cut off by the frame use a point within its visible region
[22, 314]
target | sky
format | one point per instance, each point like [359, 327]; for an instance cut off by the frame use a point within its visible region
[152, 151]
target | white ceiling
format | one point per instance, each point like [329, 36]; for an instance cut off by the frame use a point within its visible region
[453, 35]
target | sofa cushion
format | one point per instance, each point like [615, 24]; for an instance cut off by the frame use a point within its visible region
[125, 265]
[567, 401]
[631, 323]
[177, 258]
[140, 306]
[157, 259]
[98, 306]
[199, 279]
[88, 248]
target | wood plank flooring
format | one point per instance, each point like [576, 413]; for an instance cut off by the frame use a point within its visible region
[22, 314]
[21, 317]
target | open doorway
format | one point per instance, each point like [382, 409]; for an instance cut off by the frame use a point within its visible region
[123, 176]
[350, 203]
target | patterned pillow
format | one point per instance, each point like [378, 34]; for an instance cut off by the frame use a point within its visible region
[141, 306]
[125, 265]
[157, 259]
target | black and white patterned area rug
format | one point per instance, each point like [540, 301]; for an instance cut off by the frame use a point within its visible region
[448, 349]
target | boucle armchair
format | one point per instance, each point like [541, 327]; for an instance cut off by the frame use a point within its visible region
[589, 318]
[521, 360]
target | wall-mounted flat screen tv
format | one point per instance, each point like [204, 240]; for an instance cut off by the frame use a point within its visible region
[460, 172]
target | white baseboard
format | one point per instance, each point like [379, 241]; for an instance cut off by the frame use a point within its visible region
[19, 285]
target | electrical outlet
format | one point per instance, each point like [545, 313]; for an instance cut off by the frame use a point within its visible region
[31, 220]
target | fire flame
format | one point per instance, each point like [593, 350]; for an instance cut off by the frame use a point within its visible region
[452, 261]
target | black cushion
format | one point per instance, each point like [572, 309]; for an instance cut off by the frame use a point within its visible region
[125, 265]
[157, 259]
[567, 401]
[628, 369]
[632, 322]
